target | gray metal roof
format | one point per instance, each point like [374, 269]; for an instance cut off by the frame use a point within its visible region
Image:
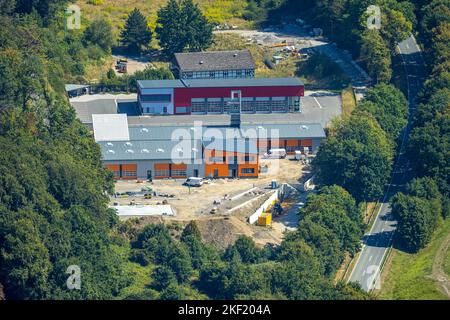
[72, 87]
[285, 131]
[150, 84]
[85, 109]
[220, 83]
[215, 60]
[155, 150]
[232, 145]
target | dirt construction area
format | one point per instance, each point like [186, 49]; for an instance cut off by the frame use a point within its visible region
[220, 206]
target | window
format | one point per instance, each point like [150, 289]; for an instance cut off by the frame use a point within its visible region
[214, 105]
[248, 159]
[179, 173]
[182, 110]
[215, 160]
[262, 104]
[162, 173]
[198, 105]
[128, 173]
[212, 74]
[248, 170]
[279, 104]
[156, 98]
[248, 105]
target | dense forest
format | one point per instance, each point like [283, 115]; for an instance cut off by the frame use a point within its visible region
[54, 191]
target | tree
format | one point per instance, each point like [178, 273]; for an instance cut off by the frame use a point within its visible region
[246, 248]
[136, 35]
[356, 155]
[376, 55]
[191, 230]
[416, 221]
[99, 33]
[182, 26]
[389, 106]
[395, 27]
[172, 292]
[163, 277]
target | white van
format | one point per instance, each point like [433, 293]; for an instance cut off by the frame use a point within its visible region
[276, 154]
[194, 182]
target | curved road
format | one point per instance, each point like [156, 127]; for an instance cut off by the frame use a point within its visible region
[379, 239]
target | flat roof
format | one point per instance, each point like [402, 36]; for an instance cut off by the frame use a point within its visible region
[143, 210]
[110, 127]
[220, 83]
[215, 60]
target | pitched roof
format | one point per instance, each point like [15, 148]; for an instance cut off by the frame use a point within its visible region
[215, 60]
[151, 149]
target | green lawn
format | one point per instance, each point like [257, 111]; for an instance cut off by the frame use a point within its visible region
[407, 273]
[447, 262]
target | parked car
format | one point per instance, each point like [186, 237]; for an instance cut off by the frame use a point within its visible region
[276, 154]
[194, 182]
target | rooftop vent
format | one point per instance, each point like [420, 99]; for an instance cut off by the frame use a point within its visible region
[145, 151]
[109, 144]
[144, 130]
[201, 62]
[179, 149]
[305, 127]
[110, 151]
[195, 149]
[129, 151]
[159, 150]
[235, 55]
[260, 127]
[128, 144]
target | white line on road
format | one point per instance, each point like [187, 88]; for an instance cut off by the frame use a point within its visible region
[317, 101]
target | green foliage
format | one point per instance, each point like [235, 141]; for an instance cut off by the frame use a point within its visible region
[376, 56]
[136, 35]
[356, 155]
[163, 277]
[416, 221]
[182, 26]
[247, 250]
[389, 106]
[99, 33]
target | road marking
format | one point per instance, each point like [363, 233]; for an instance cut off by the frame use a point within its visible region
[370, 258]
[317, 101]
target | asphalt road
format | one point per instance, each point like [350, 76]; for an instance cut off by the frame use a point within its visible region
[378, 240]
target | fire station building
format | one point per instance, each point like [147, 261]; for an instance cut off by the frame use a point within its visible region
[218, 96]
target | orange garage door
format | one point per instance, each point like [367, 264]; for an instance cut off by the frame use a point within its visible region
[162, 170]
[179, 170]
[129, 171]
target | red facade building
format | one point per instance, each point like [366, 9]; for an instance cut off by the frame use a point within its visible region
[215, 96]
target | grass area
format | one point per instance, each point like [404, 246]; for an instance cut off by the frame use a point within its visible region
[348, 101]
[407, 274]
[116, 11]
[447, 262]
[96, 71]
[141, 276]
[229, 41]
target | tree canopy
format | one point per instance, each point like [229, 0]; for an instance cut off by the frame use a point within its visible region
[181, 26]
